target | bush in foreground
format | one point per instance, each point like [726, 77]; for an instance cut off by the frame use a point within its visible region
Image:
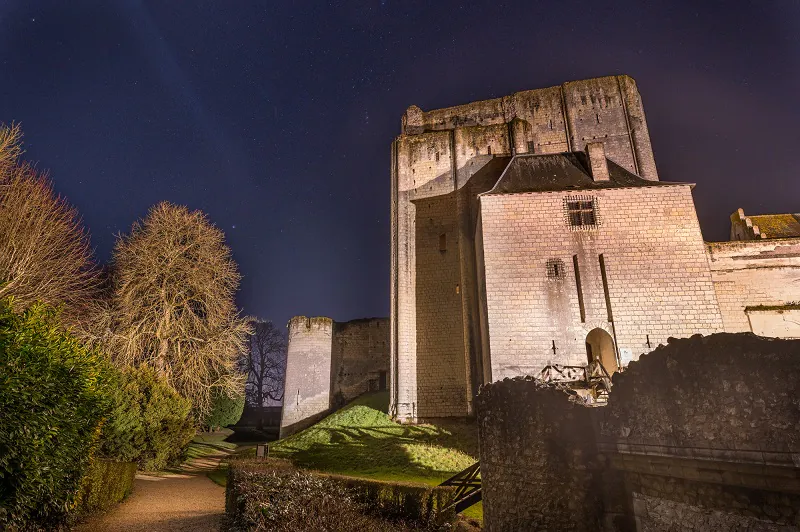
[52, 402]
[275, 496]
[150, 422]
[106, 483]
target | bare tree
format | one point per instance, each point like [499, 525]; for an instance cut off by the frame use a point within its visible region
[265, 363]
[45, 254]
[173, 309]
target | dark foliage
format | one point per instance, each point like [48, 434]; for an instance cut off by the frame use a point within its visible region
[52, 402]
[275, 496]
[225, 410]
[150, 422]
[106, 483]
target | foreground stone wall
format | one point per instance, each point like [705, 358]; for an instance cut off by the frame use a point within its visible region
[703, 434]
[330, 363]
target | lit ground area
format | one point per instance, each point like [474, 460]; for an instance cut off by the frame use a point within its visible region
[361, 440]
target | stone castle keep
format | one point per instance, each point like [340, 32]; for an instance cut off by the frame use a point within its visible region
[533, 230]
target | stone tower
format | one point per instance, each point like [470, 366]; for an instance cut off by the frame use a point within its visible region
[441, 161]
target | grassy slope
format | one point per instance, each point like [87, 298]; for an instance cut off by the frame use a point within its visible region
[362, 440]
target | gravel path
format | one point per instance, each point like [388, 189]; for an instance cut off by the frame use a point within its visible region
[182, 501]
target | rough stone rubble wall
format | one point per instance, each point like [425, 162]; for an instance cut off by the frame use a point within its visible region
[757, 273]
[657, 273]
[437, 155]
[328, 364]
[703, 434]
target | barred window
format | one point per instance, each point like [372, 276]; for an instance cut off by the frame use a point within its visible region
[581, 211]
[555, 269]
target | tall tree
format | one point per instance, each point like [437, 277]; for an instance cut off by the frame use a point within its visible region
[172, 304]
[45, 253]
[265, 363]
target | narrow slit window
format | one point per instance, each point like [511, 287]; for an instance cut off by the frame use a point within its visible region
[443, 242]
[437, 156]
[604, 277]
[579, 288]
[488, 150]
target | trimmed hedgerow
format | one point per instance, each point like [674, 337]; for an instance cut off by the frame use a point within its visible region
[150, 423]
[106, 483]
[273, 495]
[52, 402]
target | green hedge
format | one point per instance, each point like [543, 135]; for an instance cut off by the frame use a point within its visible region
[398, 500]
[225, 410]
[53, 398]
[106, 483]
[273, 495]
[150, 422]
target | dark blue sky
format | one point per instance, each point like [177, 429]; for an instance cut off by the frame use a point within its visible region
[276, 118]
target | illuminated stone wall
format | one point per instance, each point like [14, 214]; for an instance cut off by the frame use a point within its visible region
[658, 280]
[330, 363]
[448, 153]
[758, 285]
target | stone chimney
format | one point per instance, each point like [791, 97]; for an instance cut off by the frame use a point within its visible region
[598, 165]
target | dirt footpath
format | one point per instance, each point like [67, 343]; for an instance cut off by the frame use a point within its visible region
[187, 500]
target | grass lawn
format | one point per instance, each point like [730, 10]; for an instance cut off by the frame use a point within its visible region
[361, 440]
[206, 443]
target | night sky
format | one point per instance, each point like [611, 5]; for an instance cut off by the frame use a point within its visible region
[276, 118]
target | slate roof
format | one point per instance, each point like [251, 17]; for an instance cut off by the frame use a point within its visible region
[563, 171]
[777, 225]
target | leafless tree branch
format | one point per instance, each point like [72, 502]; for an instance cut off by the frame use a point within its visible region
[172, 303]
[45, 253]
[265, 363]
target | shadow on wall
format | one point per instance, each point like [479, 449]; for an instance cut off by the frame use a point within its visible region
[445, 228]
[703, 433]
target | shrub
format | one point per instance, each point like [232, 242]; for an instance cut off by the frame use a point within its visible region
[106, 483]
[225, 410]
[275, 496]
[52, 402]
[150, 422]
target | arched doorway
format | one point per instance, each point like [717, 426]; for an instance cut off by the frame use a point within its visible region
[600, 347]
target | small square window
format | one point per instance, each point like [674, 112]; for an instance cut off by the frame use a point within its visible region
[581, 211]
[555, 269]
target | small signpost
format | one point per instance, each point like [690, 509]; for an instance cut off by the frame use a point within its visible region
[262, 451]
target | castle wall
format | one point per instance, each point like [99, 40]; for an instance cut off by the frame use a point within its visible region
[443, 151]
[330, 363]
[657, 274]
[756, 282]
[360, 359]
[702, 434]
[307, 387]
